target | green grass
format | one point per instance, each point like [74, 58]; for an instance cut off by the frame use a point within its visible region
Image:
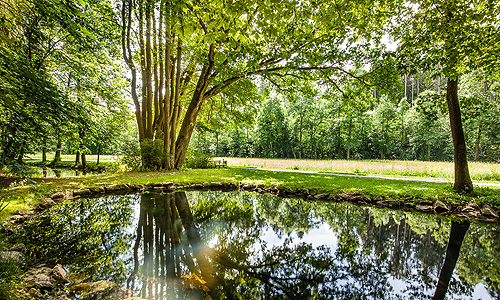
[479, 171]
[23, 196]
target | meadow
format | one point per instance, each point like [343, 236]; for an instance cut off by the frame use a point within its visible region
[479, 171]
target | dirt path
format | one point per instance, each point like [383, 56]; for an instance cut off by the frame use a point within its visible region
[486, 184]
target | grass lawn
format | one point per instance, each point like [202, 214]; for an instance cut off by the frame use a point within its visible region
[22, 196]
[480, 172]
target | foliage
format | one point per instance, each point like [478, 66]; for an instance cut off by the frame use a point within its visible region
[9, 277]
[152, 154]
[131, 155]
[198, 160]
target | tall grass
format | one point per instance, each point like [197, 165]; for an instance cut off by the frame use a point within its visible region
[425, 169]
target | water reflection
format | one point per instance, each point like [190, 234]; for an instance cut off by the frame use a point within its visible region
[250, 246]
[45, 172]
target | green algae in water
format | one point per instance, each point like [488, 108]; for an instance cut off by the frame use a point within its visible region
[190, 245]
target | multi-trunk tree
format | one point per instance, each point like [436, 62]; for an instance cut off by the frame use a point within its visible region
[182, 53]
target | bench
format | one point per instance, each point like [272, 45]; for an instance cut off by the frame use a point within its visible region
[220, 163]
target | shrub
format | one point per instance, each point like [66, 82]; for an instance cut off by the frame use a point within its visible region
[198, 160]
[131, 155]
[153, 156]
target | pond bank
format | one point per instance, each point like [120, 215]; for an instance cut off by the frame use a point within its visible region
[470, 210]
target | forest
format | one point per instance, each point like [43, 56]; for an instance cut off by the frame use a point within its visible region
[318, 79]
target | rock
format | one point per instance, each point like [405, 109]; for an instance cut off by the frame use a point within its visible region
[19, 247]
[35, 294]
[248, 187]
[39, 281]
[424, 208]
[59, 274]
[99, 287]
[216, 184]
[57, 195]
[343, 197]
[472, 209]
[321, 196]
[81, 192]
[11, 256]
[426, 203]
[98, 190]
[440, 207]
[389, 203]
[113, 188]
[44, 204]
[489, 212]
[357, 197]
[17, 219]
[136, 186]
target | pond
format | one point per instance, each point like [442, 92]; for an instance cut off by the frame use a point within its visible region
[238, 245]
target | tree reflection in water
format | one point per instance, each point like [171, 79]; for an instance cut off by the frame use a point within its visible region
[163, 219]
[251, 246]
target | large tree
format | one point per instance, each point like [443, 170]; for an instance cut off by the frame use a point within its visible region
[182, 53]
[50, 53]
[450, 38]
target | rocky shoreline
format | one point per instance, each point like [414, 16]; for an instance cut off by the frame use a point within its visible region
[470, 211]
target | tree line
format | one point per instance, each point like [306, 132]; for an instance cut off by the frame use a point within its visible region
[319, 126]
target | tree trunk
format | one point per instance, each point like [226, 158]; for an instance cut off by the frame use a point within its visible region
[98, 154]
[21, 152]
[44, 153]
[84, 161]
[57, 156]
[463, 183]
[476, 146]
[82, 148]
[457, 234]
[77, 157]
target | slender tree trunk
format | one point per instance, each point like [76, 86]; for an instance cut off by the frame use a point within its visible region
[98, 154]
[476, 146]
[406, 85]
[77, 157]
[463, 181]
[57, 156]
[82, 148]
[439, 84]
[44, 152]
[21, 152]
[349, 139]
[457, 234]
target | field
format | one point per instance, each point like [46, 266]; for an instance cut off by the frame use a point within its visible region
[421, 169]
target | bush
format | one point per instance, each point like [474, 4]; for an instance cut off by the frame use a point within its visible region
[153, 156]
[131, 155]
[198, 160]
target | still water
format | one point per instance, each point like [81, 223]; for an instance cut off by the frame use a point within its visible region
[44, 172]
[237, 245]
